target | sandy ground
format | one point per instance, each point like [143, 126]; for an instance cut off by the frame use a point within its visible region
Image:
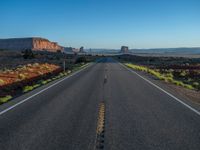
[191, 95]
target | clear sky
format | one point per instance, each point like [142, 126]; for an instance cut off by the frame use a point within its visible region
[104, 23]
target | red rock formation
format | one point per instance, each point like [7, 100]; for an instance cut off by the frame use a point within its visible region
[29, 43]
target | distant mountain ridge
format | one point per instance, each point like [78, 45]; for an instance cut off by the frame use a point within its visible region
[181, 50]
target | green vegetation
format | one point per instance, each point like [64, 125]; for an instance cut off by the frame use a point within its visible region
[36, 85]
[60, 75]
[28, 88]
[78, 67]
[195, 84]
[188, 86]
[43, 82]
[183, 73]
[167, 77]
[48, 80]
[5, 99]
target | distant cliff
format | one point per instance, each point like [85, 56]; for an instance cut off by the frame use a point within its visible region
[124, 49]
[35, 44]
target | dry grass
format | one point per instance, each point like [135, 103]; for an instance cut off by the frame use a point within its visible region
[165, 77]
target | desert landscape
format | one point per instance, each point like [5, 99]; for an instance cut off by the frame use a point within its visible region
[29, 66]
[25, 70]
[100, 75]
[180, 74]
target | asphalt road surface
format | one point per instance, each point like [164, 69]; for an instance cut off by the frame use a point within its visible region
[64, 117]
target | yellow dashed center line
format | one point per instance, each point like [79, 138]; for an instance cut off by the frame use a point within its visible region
[101, 119]
[99, 143]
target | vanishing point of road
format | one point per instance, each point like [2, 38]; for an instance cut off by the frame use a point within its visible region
[105, 97]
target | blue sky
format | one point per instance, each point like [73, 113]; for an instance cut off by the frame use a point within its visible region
[104, 23]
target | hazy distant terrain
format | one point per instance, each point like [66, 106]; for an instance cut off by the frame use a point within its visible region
[183, 52]
[169, 50]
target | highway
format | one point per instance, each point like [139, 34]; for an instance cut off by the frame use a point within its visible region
[138, 116]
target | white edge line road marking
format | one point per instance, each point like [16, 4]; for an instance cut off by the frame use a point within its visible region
[26, 99]
[177, 99]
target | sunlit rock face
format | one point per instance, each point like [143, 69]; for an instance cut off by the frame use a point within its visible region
[36, 44]
[44, 44]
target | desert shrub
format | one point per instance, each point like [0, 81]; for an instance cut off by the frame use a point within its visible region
[183, 73]
[12, 72]
[188, 86]
[49, 80]
[7, 71]
[21, 76]
[157, 74]
[69, 71]
[17, 80]
[30, 69]
[61, 74]
[39, 73]
[171, 70]
[168, 77]
[5, 99]
[29, 65]
[28, 88]
[196, 84]
[23, 68]
[140, 68]
[65, 73]
[161, 77]
[36, 64]
[46, 67]
[44, 82]
[2, 82]
[57, 77]
[36, 85]
[179, 83]
[189, 80]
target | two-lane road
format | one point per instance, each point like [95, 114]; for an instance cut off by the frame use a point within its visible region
[64, 117]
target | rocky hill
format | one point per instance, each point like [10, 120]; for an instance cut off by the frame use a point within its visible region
[33, 43]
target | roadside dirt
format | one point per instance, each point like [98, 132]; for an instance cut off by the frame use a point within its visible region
[191, 95]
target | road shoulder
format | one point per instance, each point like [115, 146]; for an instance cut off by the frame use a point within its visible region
[169, 89]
